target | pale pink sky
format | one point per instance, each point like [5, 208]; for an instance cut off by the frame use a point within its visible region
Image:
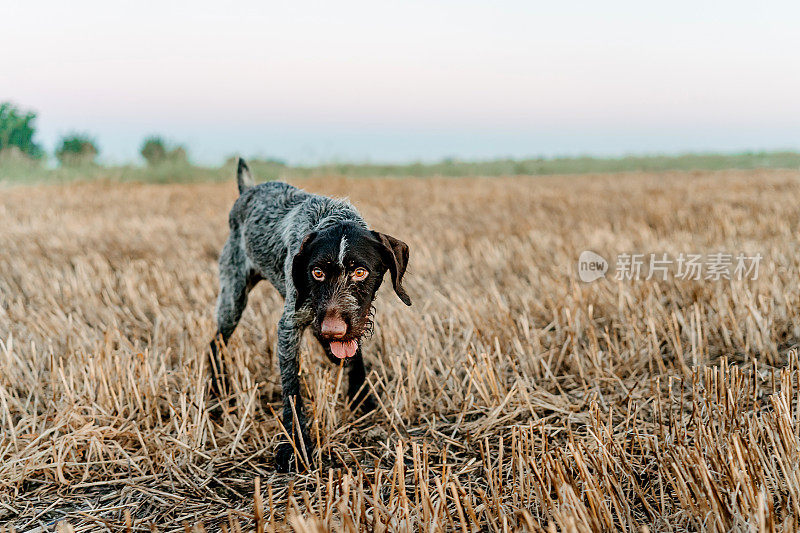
[405, 80]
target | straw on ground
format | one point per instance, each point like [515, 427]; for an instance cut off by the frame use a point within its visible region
[512, 395]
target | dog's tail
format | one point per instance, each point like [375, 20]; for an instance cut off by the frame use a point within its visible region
[243, 176]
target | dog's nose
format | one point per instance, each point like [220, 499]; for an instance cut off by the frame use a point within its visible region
[333, 326]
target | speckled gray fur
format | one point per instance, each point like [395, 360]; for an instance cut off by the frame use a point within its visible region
[267, 225]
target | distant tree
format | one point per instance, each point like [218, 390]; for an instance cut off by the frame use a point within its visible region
[156, 152]
[76, 149]
[178, 155]
[17, 130]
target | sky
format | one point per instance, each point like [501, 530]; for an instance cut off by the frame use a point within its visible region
[391, 81]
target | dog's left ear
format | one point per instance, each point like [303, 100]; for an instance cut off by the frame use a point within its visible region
[300, 270]
[395, 257]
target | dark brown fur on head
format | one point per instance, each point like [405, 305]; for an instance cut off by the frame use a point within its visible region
[337, 252]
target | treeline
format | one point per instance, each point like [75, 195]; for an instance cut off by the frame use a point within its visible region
[17, 143]
[21, 161]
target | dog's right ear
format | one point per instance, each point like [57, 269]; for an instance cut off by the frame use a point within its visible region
[243, 176]
[300, 270]
[395, 257]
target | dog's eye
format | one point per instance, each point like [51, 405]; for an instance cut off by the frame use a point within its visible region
[360, 274]
[318, 274]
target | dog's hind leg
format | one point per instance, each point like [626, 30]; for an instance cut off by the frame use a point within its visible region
[236, 279]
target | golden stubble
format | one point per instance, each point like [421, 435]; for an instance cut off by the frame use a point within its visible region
[511, 394]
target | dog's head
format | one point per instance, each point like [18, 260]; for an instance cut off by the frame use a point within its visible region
[336, 273]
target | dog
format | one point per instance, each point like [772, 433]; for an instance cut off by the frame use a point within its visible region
[327, 264]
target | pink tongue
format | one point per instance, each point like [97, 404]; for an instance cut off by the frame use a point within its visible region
[344, 349]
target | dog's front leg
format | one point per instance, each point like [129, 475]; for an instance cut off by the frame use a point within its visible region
[289, 335]
[357, 390]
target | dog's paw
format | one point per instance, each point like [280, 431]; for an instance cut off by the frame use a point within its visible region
[286, 461]
[284, 458]
[369, 404]
[365, 402]
[219, 405]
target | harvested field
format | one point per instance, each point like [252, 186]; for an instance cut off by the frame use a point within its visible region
[513, 395]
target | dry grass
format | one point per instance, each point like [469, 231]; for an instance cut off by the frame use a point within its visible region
[512, 395]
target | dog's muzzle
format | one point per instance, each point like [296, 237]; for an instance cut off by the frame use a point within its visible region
[334, 330]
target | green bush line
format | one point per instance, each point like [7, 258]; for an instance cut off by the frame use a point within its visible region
[22, 170]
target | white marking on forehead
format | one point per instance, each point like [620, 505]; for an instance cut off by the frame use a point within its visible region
[342, 250]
